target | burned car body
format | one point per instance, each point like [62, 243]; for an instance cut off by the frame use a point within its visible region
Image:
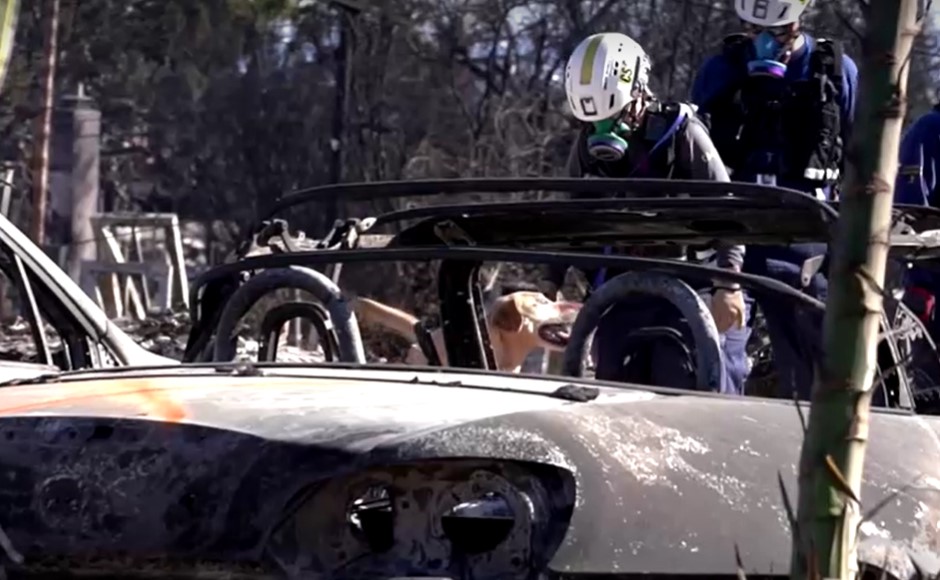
[364, 473]
[350, 470]
[66, 329]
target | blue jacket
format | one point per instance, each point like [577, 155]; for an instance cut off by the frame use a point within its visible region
[715, 74]
[919, 161]
[918, 158]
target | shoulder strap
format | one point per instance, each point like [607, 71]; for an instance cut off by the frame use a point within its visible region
[678, 116]
[826, 61]
[737, 49]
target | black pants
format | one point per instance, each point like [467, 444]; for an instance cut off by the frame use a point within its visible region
[795, 332]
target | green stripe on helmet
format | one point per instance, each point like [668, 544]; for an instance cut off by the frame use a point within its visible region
[587, 65]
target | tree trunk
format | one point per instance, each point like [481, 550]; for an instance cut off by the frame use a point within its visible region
[43, 125]
[833, 451]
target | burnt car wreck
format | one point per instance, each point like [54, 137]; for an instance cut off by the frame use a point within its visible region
[343, 469]
[60, 327]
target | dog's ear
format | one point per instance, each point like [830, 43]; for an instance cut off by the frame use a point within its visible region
[507, 316]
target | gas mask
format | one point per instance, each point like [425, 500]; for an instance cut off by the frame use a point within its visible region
[768, 52]
[608, 141]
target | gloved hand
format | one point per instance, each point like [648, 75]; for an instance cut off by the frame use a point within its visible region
[727, 307]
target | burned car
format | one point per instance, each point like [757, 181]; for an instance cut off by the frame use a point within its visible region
[346, 469]
[50, 323]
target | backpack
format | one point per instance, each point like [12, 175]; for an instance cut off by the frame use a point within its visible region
[804, 115]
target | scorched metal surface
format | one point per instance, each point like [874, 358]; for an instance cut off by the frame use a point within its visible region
[190, 463]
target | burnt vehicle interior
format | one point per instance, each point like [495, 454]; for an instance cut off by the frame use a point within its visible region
[502, 221]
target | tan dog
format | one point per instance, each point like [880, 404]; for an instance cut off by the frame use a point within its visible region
[518, 323]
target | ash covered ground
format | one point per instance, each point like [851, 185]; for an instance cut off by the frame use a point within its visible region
[166, 335]
[163, 334]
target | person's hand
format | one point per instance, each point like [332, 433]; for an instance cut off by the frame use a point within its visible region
[727, 308]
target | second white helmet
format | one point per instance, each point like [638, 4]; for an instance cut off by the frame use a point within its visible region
[770, 12]
[605, 73]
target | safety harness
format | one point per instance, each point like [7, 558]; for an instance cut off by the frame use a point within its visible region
[790, 129]
[662, 126]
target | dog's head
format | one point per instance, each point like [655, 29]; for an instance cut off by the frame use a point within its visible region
[535, 320]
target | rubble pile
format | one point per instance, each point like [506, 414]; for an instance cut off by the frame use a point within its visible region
[164, 334]
[17, 343]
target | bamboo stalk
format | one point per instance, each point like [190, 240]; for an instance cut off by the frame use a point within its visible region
[833, 453]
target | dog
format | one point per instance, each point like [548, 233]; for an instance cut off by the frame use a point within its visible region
[518, 323]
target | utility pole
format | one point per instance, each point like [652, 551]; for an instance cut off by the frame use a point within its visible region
[43, 123]
[833, 453]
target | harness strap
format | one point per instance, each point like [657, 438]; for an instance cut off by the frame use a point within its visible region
[685, 112]
[814, 155]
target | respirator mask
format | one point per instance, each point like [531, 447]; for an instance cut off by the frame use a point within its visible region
[608, 141]
[769, 53]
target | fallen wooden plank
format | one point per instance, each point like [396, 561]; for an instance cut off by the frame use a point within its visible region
[112, 250]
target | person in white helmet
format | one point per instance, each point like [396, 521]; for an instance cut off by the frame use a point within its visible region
[627, 132]
[780, 106]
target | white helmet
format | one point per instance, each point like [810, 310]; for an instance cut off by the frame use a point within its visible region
[605, 73]
[770, 12]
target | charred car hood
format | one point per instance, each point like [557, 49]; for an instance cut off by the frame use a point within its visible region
[666, 483]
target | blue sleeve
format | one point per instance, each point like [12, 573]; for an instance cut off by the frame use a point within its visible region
[712, 77]
[917, 161]
[849, 96]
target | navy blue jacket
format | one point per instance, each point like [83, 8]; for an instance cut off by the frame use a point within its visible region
[715, 74]
[919, 161]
